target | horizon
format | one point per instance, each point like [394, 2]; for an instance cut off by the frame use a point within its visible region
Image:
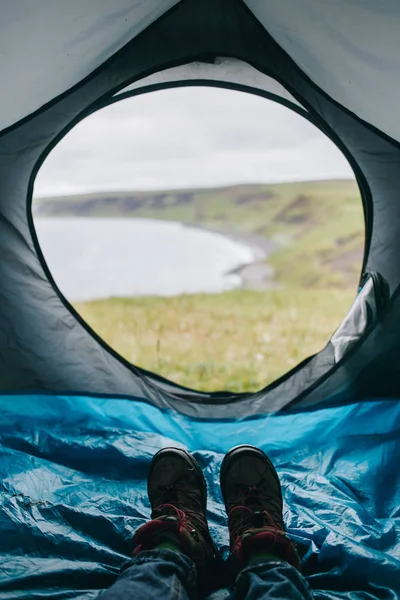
[194, 188]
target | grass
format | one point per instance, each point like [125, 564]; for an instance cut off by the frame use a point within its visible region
[239, 341]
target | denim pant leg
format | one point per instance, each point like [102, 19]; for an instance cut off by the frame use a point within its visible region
[155, 575]
[271, 579]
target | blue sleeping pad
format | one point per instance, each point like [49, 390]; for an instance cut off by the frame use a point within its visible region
[73, 473]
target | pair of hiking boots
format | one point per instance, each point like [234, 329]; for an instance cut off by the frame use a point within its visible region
[253, 499]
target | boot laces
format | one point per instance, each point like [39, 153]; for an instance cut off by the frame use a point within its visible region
[248, 512]
[186, 506]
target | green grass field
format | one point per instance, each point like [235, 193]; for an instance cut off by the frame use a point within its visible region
[240, 340]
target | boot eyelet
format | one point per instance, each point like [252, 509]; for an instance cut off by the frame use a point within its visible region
[258, 519]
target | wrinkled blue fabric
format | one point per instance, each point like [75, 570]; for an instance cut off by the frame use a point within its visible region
[172, 576]
[73, 476]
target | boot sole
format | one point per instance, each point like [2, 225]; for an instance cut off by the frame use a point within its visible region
[191, 463]
[243, 450]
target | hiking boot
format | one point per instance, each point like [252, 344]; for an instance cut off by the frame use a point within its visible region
[253, 498]
[178, 495]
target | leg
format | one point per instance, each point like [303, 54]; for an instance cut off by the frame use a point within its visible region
[175, 556]
[263, 560]
[153, 575]
[271, 579]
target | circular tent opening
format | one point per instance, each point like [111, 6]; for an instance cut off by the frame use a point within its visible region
[268, 217]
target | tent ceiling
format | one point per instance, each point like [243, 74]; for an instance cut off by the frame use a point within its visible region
[227, 70]
[349, 48]
[48, 46]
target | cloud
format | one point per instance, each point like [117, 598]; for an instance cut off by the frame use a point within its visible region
[189, 137]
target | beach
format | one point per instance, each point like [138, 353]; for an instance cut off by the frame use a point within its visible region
[257, 274]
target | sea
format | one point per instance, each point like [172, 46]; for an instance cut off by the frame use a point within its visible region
[92, 258]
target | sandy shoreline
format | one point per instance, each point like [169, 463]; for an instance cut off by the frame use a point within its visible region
[258, 274]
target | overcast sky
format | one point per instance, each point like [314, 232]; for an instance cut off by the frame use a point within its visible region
[189, 137]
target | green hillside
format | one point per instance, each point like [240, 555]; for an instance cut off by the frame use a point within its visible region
[318, 227]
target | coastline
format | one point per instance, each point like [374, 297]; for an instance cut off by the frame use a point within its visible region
[254, 275]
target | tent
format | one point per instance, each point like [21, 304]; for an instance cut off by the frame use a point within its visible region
[78, 424]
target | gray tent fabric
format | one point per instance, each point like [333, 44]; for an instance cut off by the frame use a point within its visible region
[48, 46]
[221, 70]
[62, 61]
[349, 48]
[362, 313]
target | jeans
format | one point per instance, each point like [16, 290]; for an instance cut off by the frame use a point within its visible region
[168, 575]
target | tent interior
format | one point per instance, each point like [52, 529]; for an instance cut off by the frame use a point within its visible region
[78, 424]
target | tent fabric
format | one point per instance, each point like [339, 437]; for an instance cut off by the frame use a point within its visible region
[349, 48]
[342, 46]
[78, 424]
[73, 472]
[49, 46]
[36, 316]
[221, 70]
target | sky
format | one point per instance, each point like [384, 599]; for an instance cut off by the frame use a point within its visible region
[189, 138]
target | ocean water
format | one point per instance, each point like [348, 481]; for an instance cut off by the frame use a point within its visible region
[97, 258]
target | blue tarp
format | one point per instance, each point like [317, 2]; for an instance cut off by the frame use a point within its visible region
[73, 489]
